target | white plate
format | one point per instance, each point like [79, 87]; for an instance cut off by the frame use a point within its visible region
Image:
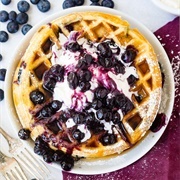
[116, 162]
[167, 6]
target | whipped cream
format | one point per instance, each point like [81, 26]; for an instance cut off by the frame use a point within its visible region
[77, 100]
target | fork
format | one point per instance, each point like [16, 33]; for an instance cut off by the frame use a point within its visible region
[10, 168]
[33, 165]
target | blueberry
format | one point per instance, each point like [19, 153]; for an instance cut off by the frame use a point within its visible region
[34, 1]
[2, 74]
[100, 113]
[3, 36]
[1, 94]
[25, 28]
[49, 84]
[46, 112]
[4, 16]
[48, 157]
[116, 117]
[95, 126]
[24, 134]
[67, 162]
[110, 102]
[95, 4]
[1, 57]
[40, 150]
[119, 68]
[37, 97]
[54, 126]
[124, 103]
[101, 92]
[22, 18]
[12, 15]
[23, 6]
[131, 80]
[129, 55]
[58, 155]
[105, 62]
[57, 72]
[6, 2]
[97, 104]
[78, 135]
[56, 105]
[73, 80]
[104, 49]
[85, 75]
[78, 2]
[79, 118]
[94, 0]
[12, 27]
[108, 139]
[108, 116]
[73, 46]
[44, 5]
[88, 59]
[68, 3]
[108, 3]
[84, 86]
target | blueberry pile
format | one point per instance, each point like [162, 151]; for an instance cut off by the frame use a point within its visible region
[72, 3]
[42, 148]
[17, 19]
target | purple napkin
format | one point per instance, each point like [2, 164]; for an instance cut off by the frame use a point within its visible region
[162, 162]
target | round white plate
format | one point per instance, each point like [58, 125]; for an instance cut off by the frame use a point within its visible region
[168, 6]
[113, 163]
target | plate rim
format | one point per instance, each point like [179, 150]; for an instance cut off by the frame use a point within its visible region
[18, 52]
[166, 8]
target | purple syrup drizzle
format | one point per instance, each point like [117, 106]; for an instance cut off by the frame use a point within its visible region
[159, 122]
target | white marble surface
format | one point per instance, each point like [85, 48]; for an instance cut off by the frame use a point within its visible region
[142, 10]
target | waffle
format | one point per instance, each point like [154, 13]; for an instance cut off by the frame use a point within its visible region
[95, 27]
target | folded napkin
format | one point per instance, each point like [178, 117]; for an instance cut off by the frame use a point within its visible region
[162, 162]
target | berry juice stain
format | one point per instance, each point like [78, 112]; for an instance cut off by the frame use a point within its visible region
[159, 122]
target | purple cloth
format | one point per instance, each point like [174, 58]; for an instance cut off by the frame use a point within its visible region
[162, 162]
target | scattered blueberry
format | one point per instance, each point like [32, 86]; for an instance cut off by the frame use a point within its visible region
[96, 104]
[22, 18]
[3, 36]
[55, 105]
[46, 112]
[101, 92]
[37, 97]
[2, 74]
[1, 94]
[25, 28]
[24, 134]
[12, 15]
[1, 57]
[79, 118]
[49, 84]
[107, 3]
[48, 157]
[95, 4]
[84, 86]
[78, 2]
[6, 2]
[119, 68]
[58, 155]
[85, 75]
[23, 6]
[12, 27]
[68, 4]
[34, 1]
[4, 16]
[44, 5]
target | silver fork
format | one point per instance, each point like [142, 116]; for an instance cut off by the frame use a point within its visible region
[33, 165]
[10, 168]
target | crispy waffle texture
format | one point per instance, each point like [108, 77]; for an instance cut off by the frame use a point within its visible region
[96, 27]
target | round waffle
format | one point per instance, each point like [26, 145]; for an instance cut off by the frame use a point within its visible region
[36, 62]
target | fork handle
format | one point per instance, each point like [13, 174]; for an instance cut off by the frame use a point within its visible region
[2, 157]
[8, 137]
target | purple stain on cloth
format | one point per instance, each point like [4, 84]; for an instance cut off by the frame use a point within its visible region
[162, 162]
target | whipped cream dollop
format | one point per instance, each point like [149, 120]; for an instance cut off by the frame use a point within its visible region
[75, 98]
[172, 3]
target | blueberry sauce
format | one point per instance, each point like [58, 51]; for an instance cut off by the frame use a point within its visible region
[159, 122]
